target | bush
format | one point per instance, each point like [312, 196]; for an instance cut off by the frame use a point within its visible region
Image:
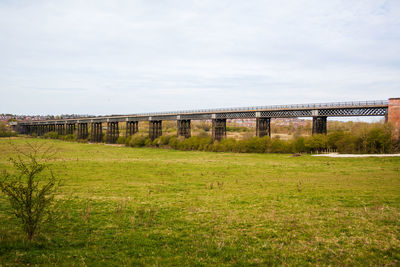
[121, 140]
[69, 137]
[5, 131]
[138, 140]
[50, 135]
[316, 143]
[298, 145]
[29, 190]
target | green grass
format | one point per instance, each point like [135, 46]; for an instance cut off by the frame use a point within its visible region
[127, 206]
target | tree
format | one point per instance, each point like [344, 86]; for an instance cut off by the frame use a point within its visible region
[30, 189]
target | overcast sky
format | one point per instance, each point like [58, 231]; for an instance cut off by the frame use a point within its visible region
[124, 57]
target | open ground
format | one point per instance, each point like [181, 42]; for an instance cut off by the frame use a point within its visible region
[123, 206]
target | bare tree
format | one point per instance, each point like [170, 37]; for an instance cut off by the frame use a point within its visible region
[31, 187]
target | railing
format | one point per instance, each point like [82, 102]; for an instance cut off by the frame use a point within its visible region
[274, 107]
[245, 109]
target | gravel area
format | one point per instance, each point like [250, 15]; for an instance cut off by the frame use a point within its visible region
[337, 155]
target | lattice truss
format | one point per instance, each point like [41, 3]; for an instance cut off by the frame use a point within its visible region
[373, 111]
[196, 117]
[236, 115]
[286, 113]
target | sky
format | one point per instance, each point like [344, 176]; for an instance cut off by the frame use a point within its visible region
[126, 57]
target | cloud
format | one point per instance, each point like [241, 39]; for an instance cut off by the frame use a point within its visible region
[140, 56]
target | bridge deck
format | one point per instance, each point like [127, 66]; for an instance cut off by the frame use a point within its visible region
[338, 109]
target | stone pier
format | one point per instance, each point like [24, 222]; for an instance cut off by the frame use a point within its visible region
[393, 116]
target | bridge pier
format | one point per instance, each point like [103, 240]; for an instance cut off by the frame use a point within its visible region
[96, 132]
[319, 125]
[155, 129]
[60, 127]
[263, 127]
[112, 132]
[35, 129]
[183, 128]
[44, 129]
[393, 116]
[82, 130]
[70, 128]
[40, 130]
[218, 129]
[132, 127]
[24, 129]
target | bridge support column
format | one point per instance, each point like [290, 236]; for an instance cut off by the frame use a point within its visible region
[263, 127]
[132, 127]
[155, 129]
[40, 129]
[319, 125]
[35, 129]
[183, 128]
[96, 133]
[24, 129]
[393, 116]
[218, 129]
[60, 128]
[82, 131]
[112, 132]
[70, 128]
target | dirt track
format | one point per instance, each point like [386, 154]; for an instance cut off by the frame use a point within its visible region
[336, 155]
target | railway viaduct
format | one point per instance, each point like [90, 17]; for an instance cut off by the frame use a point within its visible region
[92, 128]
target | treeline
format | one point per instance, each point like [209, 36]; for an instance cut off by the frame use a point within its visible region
[372, 140]
[5, 130]
[376, 138]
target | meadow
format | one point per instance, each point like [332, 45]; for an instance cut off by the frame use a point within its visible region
[148, 206]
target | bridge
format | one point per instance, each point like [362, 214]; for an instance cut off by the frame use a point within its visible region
[92, 128]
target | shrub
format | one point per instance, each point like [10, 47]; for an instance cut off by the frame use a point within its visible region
[5, 131]
[50, 135]
[346, 144]
[69, 137]
[138, 140]
[121, 140]
[279, 146]
[315, 143]
[29, 190]
[298, 145]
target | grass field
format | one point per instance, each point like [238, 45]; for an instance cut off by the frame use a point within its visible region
[127, 206]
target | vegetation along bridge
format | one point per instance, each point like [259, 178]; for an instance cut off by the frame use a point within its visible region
[263, 114]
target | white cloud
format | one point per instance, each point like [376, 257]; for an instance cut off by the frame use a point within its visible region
[103, 57]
